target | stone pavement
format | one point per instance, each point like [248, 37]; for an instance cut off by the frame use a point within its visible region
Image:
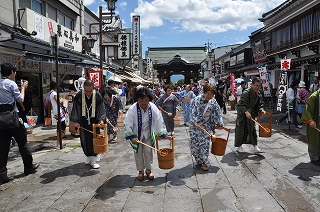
[282, 179]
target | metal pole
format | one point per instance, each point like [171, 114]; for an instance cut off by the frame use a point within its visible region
[100, 43]
[55, 39]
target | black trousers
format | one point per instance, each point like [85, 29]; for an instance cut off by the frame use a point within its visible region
[20, 135]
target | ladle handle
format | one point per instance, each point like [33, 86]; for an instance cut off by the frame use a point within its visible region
[267, 130]
[207, 132]
[86, 129]
[148, 146]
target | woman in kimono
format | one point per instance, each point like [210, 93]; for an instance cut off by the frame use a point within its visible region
[113, 106]
[187, 95]
[168, 103]
[143, 122]
[205, 114]
[250, 104]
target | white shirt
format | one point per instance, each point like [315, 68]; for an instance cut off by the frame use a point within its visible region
[314, 87]
[239, 92]
[54, 103]
[145, 131]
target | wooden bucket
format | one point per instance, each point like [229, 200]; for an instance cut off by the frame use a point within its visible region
[166, 162]
[219, 145]
[176, 121]
[233, 104]
[100, 144]
[262, 132]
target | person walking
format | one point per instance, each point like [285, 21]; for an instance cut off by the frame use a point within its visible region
[303, 94]
[113, 108]
[123, 96]
[9, 94]
[219, 96]
[143, 122]
[250, 104]
[311, 115]
[187, 95]
[54, 100]
[204, 115]
[169, 105]
[88, 109]
[315, 85]
[292, 97]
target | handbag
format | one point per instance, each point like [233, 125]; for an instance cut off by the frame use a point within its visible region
[9, 120]
[32, 118]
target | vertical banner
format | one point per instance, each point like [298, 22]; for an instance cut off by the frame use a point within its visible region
[136, 34]
[283, 83]
[39, 25]
[263, 72]
[124, 46]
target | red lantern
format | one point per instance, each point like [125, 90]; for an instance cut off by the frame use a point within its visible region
[95, 75]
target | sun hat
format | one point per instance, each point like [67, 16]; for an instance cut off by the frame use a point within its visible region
[302, 84]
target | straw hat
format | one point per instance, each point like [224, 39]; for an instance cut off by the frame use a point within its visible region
[302, 84]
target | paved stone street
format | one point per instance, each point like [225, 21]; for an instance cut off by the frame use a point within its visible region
[282, 179]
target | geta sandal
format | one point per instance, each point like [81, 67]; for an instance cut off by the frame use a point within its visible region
[140, 175]
[204, 167]
[149, 174]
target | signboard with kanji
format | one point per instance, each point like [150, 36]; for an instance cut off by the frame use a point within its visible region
[96, 77]
[124, 46]
[136, 34]
[263, 72]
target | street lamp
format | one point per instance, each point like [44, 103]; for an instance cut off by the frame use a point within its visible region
[111, 7]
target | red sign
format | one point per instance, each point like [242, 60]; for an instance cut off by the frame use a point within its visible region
[96, 77]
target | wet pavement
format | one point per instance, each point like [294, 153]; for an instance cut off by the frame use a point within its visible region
[281, 179]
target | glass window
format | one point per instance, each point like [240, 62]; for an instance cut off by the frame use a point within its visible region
[35, 5]
[316, 23]
[306, 24]
[295, 30]
[65, 21]
[52, 13]
[286, 33]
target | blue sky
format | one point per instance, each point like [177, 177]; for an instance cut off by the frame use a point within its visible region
[173, 23]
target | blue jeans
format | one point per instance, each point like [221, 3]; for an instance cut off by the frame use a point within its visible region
[294, 115]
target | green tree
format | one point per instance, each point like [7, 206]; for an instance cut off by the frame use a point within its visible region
[181, 81]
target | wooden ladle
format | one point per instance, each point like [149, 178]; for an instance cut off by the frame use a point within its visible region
[265, 129]
[162, 152]
[169, 114]
[114, 128]
[213, 137]
[98, 135]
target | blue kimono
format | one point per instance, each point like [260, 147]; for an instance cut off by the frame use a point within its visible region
[186, 95]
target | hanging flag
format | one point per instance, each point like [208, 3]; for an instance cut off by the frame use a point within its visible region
[263, 72]
[285, 64]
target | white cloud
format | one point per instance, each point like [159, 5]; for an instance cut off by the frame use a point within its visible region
[123, 5]
[210, 16]
[87, 2]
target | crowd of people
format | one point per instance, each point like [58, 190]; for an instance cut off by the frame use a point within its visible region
[152, 114]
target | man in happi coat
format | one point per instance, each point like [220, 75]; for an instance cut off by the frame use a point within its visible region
[143, 122]
[250, 104]
[168, 103]
[311, 116]
[88, 109]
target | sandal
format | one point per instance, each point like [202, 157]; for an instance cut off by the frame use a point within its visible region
[140, 175]
[204, 167]
[149, 174]
[114, 138]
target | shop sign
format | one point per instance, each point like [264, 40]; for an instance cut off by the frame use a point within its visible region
[135, 63]
[48, 59]
[136, 34]
[29, 66]
[263, 72]
[282, 89]
[259, 53]
[124, 46]
[96, 77]
[240, 58]
[46, 26]
[233, 61]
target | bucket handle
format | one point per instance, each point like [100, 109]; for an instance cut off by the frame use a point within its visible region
[223, 128]
[167, 138]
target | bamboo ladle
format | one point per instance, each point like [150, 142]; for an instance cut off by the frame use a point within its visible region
[98, 135]
[114, 128]
[265, 129]
[162, 152]
[213, 137]
[169, 114]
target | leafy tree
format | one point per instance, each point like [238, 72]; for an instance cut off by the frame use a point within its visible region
[181, 81]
